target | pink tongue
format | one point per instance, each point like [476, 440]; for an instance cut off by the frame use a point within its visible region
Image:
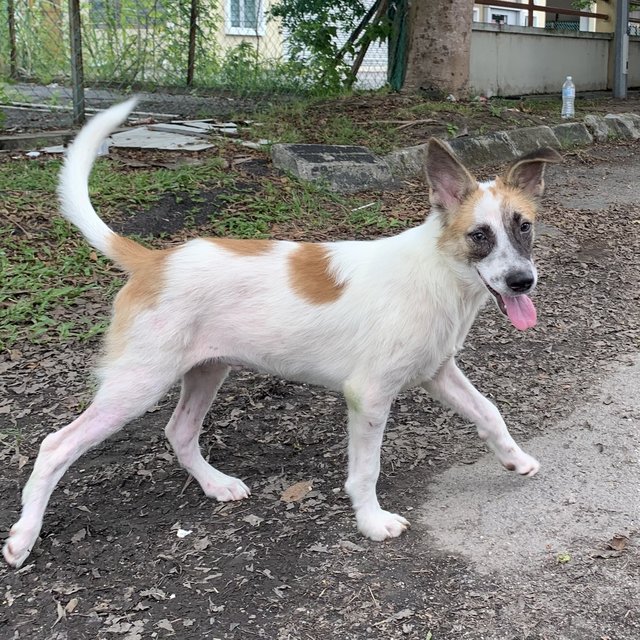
[521, 312]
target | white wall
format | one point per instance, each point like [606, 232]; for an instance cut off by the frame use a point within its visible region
[634, 62]
[510, 61]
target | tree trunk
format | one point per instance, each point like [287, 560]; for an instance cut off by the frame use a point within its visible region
[439, 46]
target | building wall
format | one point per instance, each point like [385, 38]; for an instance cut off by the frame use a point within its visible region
[509, 61]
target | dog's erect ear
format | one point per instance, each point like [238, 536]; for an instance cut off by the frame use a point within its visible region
[527, 172]
[450, 183]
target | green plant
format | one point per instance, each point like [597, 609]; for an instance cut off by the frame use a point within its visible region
[452, 129]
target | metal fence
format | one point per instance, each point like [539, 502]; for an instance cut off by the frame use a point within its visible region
[187, 57]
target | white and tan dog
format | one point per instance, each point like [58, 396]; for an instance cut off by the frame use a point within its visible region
[365, 318]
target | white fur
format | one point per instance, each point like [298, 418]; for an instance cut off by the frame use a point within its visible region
[404, 311]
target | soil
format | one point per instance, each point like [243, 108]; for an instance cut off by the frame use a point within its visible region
[406, 119]
[113, 560]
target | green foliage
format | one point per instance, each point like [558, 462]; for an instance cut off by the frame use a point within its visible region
[313, 27]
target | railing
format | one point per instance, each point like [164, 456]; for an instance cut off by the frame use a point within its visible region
[530, 7]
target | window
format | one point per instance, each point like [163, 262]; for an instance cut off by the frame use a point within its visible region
[245, 17]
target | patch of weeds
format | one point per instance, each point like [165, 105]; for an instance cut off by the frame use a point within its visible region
[452, 129]
[370, 216]
[43, 276]
[255, 214]
[47, 267]
[313, 121]
[112, 186]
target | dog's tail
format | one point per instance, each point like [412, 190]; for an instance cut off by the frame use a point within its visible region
[73, 189]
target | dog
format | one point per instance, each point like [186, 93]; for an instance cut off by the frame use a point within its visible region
[367, 318]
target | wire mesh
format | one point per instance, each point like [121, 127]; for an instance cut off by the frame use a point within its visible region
[190, 57]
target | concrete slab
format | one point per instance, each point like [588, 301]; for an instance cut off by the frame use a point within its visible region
[144, 138]
[532, 138]
[626, 125]
[587, 490]
[572, 134]
[344, 168]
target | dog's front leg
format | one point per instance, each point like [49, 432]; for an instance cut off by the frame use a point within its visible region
[367, 420]
[452, 388]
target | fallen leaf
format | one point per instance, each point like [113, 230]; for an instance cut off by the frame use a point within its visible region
[165, 624]
[618, 543]
[79, 535]
[254, 521]
[71, 605]
[296, 492]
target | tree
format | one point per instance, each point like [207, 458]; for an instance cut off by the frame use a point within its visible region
[438, 46]
[429, 48]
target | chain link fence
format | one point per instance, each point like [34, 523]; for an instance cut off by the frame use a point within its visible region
[186, 58]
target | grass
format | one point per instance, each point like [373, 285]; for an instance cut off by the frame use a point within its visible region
[46, 267]
[54, 286]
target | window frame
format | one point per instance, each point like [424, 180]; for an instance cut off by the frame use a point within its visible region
[258, 30]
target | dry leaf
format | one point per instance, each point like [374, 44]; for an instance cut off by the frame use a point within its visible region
[165, 624]
[79, 535]
[296, 492]
[71, 605]
[618, 542]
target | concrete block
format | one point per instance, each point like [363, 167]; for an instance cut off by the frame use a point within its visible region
[493, 148]
[344, 168]
[572, 134]
[626, 125]
[599, 128]
[408, 161]
[532, 138]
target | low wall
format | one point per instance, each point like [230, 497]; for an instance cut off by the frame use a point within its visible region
[507, 61]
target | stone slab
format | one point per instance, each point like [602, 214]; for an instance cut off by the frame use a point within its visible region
[343, 168]
[144, 138]
[625, 125]
[572, 134]
[532, 138]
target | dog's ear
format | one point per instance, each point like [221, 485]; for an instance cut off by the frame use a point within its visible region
[449, 181]
[527, 173]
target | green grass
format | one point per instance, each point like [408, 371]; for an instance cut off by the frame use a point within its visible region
[46, 267]
[52, 282]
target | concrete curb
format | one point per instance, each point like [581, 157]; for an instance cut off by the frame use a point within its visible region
[504, 146]
[363, 170]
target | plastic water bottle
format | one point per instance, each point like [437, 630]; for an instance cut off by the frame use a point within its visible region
[568, 98]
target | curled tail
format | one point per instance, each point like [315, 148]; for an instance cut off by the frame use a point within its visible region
[73, 188]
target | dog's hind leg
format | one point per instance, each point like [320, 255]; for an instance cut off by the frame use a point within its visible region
[367, 419]
[452, 388]
[199, 388]
[124, 394]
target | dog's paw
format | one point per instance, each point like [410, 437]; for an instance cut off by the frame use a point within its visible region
[19, 544]
[380, 525]
[523, 464]
[225, 488]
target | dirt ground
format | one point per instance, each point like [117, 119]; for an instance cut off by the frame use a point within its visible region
[379, 120]
[111, 562]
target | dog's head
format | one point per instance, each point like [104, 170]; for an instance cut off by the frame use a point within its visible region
[488, 227]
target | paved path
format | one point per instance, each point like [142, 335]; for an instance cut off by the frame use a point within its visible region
[530, 536]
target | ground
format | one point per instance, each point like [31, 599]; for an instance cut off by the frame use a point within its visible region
[489, 555]
[382, 121]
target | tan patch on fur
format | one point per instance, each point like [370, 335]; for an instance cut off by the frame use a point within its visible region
[310, 274]
[454, 234]
[515, 200]
[147, 268]
[243, 247]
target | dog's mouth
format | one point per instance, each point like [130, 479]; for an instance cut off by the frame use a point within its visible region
[519, 309]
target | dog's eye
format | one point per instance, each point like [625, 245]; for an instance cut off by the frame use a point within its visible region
[478, 236]
[525, 227]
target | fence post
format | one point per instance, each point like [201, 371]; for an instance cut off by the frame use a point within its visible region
[621, 49]
[13, 49]
[77, 72]
[193, 27]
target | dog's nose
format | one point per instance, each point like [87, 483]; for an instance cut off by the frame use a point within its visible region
[520, 281]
